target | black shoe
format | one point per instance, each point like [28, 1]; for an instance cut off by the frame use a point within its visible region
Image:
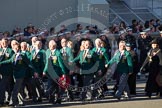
[160, 94]
[51, 99]
[138, 77]
[133, 93]
[39, 100]
[128, 98]
[82, 99]
[149, 95]
[17, 106]
[70, 99]
[119, 98]
[35, 100]
[12, 105]
[20, 105]
[58, 101]
[6, 102]
[101, 96]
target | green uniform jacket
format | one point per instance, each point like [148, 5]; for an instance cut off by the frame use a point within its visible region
[67, 57]
[38, 60]
[6, 69]
[101, 56]
[29, 70]
[57, 62]
[87, 63]
[124, 64]
[20, 67]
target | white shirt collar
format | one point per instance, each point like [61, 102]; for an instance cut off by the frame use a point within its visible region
[98, 48]
[4, 48]
[53, 50]
[18, 53]
[23, 51]
[37, 50]
[122, 52]
[64, 47]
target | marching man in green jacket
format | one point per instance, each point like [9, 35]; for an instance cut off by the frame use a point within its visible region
[54, 68]
[6, 70]
[67, 56]
[20, 63]
[102, 58]
[87, 61]
[27, 80]
[38, 61]
[124, 68]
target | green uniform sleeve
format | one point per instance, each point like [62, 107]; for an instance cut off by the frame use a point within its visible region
[7, 61]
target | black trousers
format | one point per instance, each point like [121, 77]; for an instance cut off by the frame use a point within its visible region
[16, 90]
[37, 83]
[87, 81]
[132, 83]
[53, 90]
[5, 82]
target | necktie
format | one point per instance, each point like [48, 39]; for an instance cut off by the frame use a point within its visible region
[52, 53]
[98, 51]
[64, 52]
[121, 54]
[16, 57]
